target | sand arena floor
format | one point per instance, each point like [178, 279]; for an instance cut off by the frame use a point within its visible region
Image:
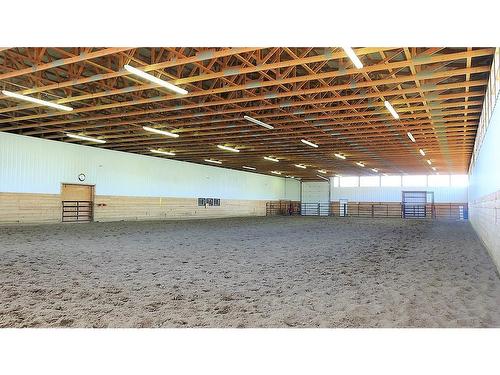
[248, 272]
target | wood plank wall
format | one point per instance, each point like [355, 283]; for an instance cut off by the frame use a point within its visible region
[30, 208]
[112, 208]
[485, 219]
[46, 208]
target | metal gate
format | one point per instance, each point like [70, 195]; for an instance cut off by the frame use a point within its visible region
[77, 211]
[414, 204]
[315, 209]
[283, 208]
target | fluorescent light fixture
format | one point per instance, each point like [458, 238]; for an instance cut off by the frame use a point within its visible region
[391, 109]
[434, 168]
[375, 170]
[271, 159]
[360, 164]
[154, 79]
[300, 166]
[322, 171]
[352, 55]
[162, 132]
[324, 178]
[163, 152]
[411, 137]
[340, 156]
[305, 141]
[36, 101]
[275, 172]
[227, 148]
[251, 119]
[249, 168]
[213, 161]
[85, 138]
[429, 162]
[422, 152]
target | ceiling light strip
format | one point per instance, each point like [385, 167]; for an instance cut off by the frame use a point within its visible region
[309, 143]
[169, 153]
[36, 101]
[255, 121]
[354, 58]
[85, 138]
[162, 132]
[391, 109]
[155, 80]
[322, 177]
[271, 159]
[227, 148]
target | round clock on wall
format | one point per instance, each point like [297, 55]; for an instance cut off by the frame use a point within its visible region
[81, 177]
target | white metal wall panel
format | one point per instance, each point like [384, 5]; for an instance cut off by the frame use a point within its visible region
[484, 191]
[393, 194]
[485, 175]
[292, 189]
[315, 192]
[34, 165]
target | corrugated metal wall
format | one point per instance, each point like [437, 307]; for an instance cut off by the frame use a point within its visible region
[315, 192]
[393, 194]
[33, 165]
[484, 192]
[485, 175]
[292, 189]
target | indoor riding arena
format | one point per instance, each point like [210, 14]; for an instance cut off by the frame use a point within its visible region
[250, 187]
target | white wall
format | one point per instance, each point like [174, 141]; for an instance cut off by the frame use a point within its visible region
[484, 190]
[292, 189]
[393, 194]
[484, 178]
[315, 192]
[34, 165]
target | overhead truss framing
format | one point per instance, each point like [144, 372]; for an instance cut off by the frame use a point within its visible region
[304, 93]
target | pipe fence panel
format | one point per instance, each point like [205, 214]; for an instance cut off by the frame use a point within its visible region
[283, 208]
[315, 209]
[445, 211]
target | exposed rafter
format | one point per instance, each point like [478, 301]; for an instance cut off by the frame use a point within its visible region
[312, 93]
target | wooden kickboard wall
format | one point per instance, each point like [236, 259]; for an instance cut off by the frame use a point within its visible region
[30, 208]
[112, 208]
[46, 208]
[485, 219]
